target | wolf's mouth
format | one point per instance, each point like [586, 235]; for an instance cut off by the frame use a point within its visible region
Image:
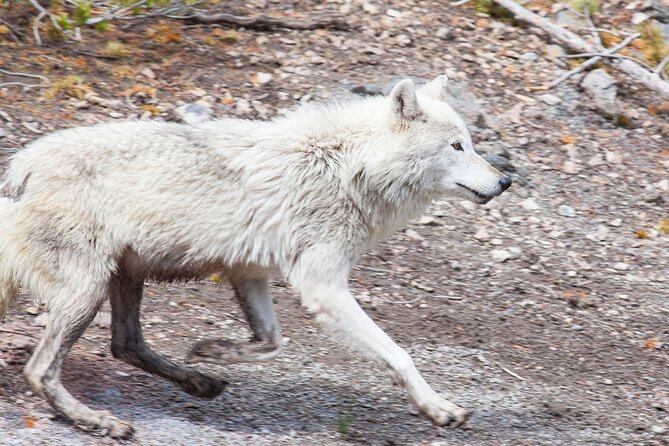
[480, 198]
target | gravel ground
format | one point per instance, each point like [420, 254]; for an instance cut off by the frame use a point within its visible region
[544, 311]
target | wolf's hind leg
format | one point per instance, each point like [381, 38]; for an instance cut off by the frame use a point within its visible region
[128, 342]
[254, 298]
[68, 318]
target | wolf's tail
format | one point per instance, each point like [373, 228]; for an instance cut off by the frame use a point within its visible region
[8, 285]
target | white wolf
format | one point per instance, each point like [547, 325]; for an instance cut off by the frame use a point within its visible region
[89, 214]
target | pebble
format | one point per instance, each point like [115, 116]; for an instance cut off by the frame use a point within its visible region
[115, 115]
[444, 33]
[515, 252]
[500, 255]
[263, 78]
[576, 327]
[616, 222]
[659, 430]
[242, 107]
[3, 133]
[550, 99]
[566, 211]
[621, 266]
[530, 204]
[482, 235]
[426, 220]
[194, 113]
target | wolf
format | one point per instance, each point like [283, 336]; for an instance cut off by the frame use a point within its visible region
[88, 214]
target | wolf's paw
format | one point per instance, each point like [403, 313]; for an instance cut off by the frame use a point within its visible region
[221, 351]
[203, 386]
[446, 414]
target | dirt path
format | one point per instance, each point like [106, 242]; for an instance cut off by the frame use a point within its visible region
[562, 342]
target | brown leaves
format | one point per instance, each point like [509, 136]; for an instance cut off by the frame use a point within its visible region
[29, 421]
[164, 32]
[651, 343]
[641, 234]
[73, 86]
[567, 138]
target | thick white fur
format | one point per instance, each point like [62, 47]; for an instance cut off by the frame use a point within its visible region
[306, 193]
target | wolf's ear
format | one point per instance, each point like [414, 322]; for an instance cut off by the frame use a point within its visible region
[403, 98]
[437, 88]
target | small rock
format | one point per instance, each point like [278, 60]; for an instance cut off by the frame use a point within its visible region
[394, 13]
[370, 8]
[40, 320]
[148, 73]
[529, 56]
[659, 430]
[194, 113]
[607, 381]
[263, 78]
[413, 235]
[613, 157]
[497, 242]
[115, 115]
[426, 220]
[530, 204]
[570, 167]
[197, 92]
[566, 211]
[500, 255]
[482, 235]
[550, 99]
[616, 222]
[242, 107]
[515, 252]
[621, 266]
[3, 363]
[576, 327]
[639, 17]
[444, 33]
[601, 89]
[3, 133]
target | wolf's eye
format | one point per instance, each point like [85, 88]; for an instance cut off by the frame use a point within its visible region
[457, 146]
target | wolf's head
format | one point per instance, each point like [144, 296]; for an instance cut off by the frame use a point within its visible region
[434, 148]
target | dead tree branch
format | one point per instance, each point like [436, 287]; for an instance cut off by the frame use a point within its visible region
[590, 62]
[638, 73]
[265, 22]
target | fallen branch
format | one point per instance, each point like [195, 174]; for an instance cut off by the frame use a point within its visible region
[265, 22]
[590, 62]
[604, 55]
[651, 80]
[36, 22]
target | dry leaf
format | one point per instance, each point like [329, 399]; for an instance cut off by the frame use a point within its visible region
[641, 234]
[29, 421]
[651, 343]
[663, 226]
[567, 139]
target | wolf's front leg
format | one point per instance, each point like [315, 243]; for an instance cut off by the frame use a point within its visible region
[324, 290]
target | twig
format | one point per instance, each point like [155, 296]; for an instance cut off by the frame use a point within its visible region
[21, 84]
[27, 335]
[265, 22]
[512, 373]
[661, 65]
[607, 31]
[396, 302]
[603, 55]
[595, 34]
[42, 12]
[590, 62]
[16, 35]
[36, 76]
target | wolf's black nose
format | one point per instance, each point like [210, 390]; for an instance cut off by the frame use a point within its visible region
[505, 182]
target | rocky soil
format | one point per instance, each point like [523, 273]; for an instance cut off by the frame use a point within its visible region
[543, 311]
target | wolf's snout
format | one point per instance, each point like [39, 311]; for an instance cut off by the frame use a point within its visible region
[505, 182]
